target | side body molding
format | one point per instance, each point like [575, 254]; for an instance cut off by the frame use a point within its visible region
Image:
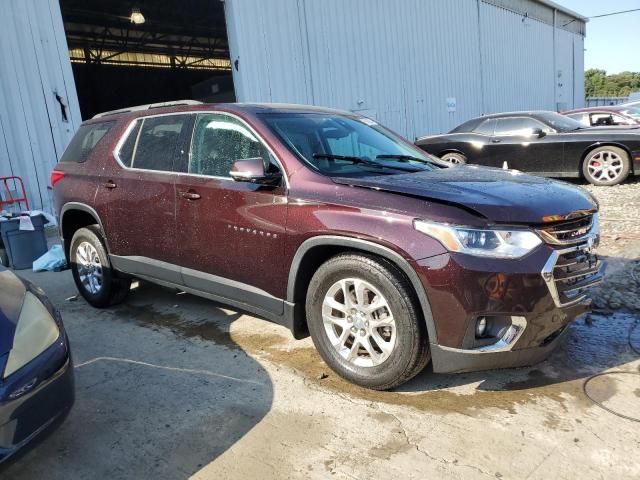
[371, 247]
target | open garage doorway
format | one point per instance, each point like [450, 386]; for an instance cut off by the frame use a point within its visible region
[126, 53]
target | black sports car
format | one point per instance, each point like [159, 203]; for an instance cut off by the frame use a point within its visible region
[545, 143]
[36, 372]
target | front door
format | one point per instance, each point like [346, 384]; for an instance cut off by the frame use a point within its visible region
[516, 143]
[231, 234]
[137, 196]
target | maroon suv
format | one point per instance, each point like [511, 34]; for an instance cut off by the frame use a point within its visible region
[329, 224]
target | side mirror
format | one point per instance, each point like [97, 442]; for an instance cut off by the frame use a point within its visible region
[251, 170]
[538, 132]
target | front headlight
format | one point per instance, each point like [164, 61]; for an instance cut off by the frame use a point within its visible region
[36, 331]
[499, 243]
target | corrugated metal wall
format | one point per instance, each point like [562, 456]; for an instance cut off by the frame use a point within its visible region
[517, 61]
[35, 77]
[400, 61]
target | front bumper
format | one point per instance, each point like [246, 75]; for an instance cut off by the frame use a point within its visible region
[36, 399]
[520, 296]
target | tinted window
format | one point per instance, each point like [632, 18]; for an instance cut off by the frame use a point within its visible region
[520, 126]
[126, 150]
[486, 128]
[218, 141]
[84, 141]
[151, 143]
[632, 112]
[560, 122]
[583, 118]
[320, 139]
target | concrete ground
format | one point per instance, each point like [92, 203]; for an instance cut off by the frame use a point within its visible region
[173, 386]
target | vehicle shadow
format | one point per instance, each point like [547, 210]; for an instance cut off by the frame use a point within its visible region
[593, 343]
[162, 389]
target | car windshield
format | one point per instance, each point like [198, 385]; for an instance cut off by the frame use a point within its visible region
[632, 112]
[343, 145]
[560, 123]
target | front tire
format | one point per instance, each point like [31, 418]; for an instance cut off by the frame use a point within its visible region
[605, 166]
[95, 279]
[365, 323]
[454, 158]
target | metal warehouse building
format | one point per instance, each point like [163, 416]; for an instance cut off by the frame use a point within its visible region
[417, 66]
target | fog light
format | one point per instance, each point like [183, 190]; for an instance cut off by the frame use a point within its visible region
[481, 327]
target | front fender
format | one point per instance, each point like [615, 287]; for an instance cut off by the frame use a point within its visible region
[359, 244]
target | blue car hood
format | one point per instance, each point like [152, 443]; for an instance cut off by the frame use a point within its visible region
[12, 292]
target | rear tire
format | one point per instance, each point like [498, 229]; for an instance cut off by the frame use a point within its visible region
[384, 340]
[95, 279]
[605, 166]
[454, 158]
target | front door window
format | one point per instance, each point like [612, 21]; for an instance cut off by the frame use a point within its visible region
[220, 140]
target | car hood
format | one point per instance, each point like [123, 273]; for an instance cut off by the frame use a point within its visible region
[12, 292]
[501, 196]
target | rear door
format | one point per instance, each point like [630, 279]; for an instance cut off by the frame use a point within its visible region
[137, 194]
[515, 143]
[231, 233]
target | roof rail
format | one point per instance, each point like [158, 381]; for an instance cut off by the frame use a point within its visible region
[147, 107]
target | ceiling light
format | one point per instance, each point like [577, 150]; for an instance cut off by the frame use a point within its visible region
[136, 16]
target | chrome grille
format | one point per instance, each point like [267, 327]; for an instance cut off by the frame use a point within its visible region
[570, 271]
[569, 231]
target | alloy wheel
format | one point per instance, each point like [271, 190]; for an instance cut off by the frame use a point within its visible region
[89, 267]
[605, 166]
[358, 322]
[454, 158]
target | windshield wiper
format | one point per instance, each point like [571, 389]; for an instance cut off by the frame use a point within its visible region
[349, 158]
[360, 160]
[406, 158]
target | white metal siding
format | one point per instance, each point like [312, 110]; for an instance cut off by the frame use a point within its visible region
[397, 61]
[517, 61]
[34, 67]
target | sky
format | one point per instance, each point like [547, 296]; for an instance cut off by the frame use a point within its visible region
[612, 43]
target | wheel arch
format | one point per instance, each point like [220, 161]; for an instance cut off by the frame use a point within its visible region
[314, 251]
[593, 146]
[452, 150]
[76, 215]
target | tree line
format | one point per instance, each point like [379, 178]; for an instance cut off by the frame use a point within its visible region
[598, 84]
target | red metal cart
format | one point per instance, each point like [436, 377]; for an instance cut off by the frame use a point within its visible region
[7, 193]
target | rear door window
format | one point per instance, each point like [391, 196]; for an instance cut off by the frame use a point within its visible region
[152, 142]
[583, 118]
[84, 141]
[518, 126]
[486, 128]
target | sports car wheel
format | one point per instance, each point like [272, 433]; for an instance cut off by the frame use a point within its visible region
[606, 166]
[455, 158]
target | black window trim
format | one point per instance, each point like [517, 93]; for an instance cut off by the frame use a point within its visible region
[118, 147]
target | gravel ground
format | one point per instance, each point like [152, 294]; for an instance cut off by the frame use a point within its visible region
[620, 227]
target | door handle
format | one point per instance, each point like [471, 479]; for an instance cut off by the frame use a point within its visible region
[495, 140]
[190, 195]
[110, 185]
